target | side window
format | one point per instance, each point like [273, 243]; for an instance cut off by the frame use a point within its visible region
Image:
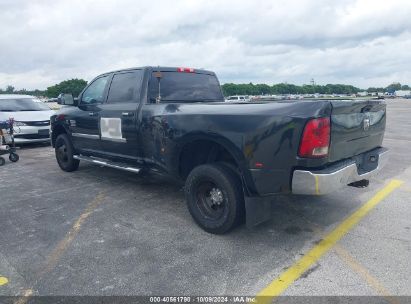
[95, 92]
[125, 87]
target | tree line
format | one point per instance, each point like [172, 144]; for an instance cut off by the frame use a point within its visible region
[75, 86]
[285, 88]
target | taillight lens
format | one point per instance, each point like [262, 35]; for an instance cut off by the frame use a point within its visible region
[316, 138]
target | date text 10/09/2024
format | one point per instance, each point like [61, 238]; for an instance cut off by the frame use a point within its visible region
[203, 299]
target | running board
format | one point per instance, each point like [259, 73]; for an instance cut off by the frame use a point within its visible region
[106, 163]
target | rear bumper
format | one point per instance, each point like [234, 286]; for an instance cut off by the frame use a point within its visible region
[318, 182]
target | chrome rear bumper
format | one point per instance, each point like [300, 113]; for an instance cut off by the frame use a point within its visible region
[328, 180]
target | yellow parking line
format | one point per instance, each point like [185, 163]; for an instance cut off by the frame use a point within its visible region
[361, 270]
[62, 246]
[3, 281]
[280, 284]
[54, 257]
[353, 263]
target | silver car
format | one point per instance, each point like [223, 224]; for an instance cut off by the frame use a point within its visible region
[237, 98]
[31, 117]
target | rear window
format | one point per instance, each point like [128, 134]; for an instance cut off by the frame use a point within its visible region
[185, 87]
[24, 104]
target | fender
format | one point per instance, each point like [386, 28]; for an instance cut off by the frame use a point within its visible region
[55, 126]
[234, 150]
[213, 137]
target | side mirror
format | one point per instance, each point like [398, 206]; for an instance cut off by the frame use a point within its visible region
[67, 99]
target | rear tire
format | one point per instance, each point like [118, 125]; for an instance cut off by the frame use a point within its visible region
[64, 154]
[215, 198]
[2, 161]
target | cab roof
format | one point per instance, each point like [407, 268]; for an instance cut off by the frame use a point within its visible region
[162, 69]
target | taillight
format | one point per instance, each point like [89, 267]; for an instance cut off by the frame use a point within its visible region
[185, 70]
[316, 138]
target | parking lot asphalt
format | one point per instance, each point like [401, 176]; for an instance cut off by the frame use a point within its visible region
[99, 231]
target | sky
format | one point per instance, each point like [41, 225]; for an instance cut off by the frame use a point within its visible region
[360, 42]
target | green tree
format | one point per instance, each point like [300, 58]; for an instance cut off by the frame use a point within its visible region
[9, 89]
[73, 86]
[375, 90]
[393, 87]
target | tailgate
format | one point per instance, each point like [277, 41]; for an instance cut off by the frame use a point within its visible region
[356, 127]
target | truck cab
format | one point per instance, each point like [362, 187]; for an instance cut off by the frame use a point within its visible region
[113, 112]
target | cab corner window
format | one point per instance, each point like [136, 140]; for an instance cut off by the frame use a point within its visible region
[125, 87]
[95, 92]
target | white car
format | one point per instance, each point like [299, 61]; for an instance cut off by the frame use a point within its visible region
[31, 117]
[237, 98]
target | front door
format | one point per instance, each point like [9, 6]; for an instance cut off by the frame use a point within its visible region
[118, 115]
[84, 123]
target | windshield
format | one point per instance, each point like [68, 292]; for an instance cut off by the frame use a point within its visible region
[23, 104]
[185, 87]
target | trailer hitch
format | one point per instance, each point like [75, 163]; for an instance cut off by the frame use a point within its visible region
[360, 184]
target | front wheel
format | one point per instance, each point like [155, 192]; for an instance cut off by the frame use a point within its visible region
[64, 154]
[214, 198]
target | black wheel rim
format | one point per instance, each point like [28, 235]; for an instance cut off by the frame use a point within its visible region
[211, 200]
[61, 152]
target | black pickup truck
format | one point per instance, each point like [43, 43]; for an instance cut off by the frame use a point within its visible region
[233, 157]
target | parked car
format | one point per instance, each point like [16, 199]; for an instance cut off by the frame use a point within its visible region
[237, 98]
[31, 117]
[233, 157]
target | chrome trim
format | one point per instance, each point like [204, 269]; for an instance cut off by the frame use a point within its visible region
[105, 163]
[120, 140]
[82, 135]
[322, 182]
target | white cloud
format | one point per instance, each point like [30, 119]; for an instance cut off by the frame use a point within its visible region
[360, 42]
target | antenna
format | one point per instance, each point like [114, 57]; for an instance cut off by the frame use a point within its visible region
[158, 75]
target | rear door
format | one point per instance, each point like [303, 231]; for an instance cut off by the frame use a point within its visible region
[84, 122]
[356, 127]
[118, 116]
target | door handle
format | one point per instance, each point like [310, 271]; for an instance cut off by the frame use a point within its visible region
[92, 113]
[127, 114]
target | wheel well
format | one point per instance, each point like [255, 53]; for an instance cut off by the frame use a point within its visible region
[201, 152]
[57, 130]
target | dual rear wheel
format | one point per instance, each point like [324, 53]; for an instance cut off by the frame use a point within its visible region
[214, 197]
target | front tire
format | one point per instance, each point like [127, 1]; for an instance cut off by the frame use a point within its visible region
[215, 198]
[64, 154]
